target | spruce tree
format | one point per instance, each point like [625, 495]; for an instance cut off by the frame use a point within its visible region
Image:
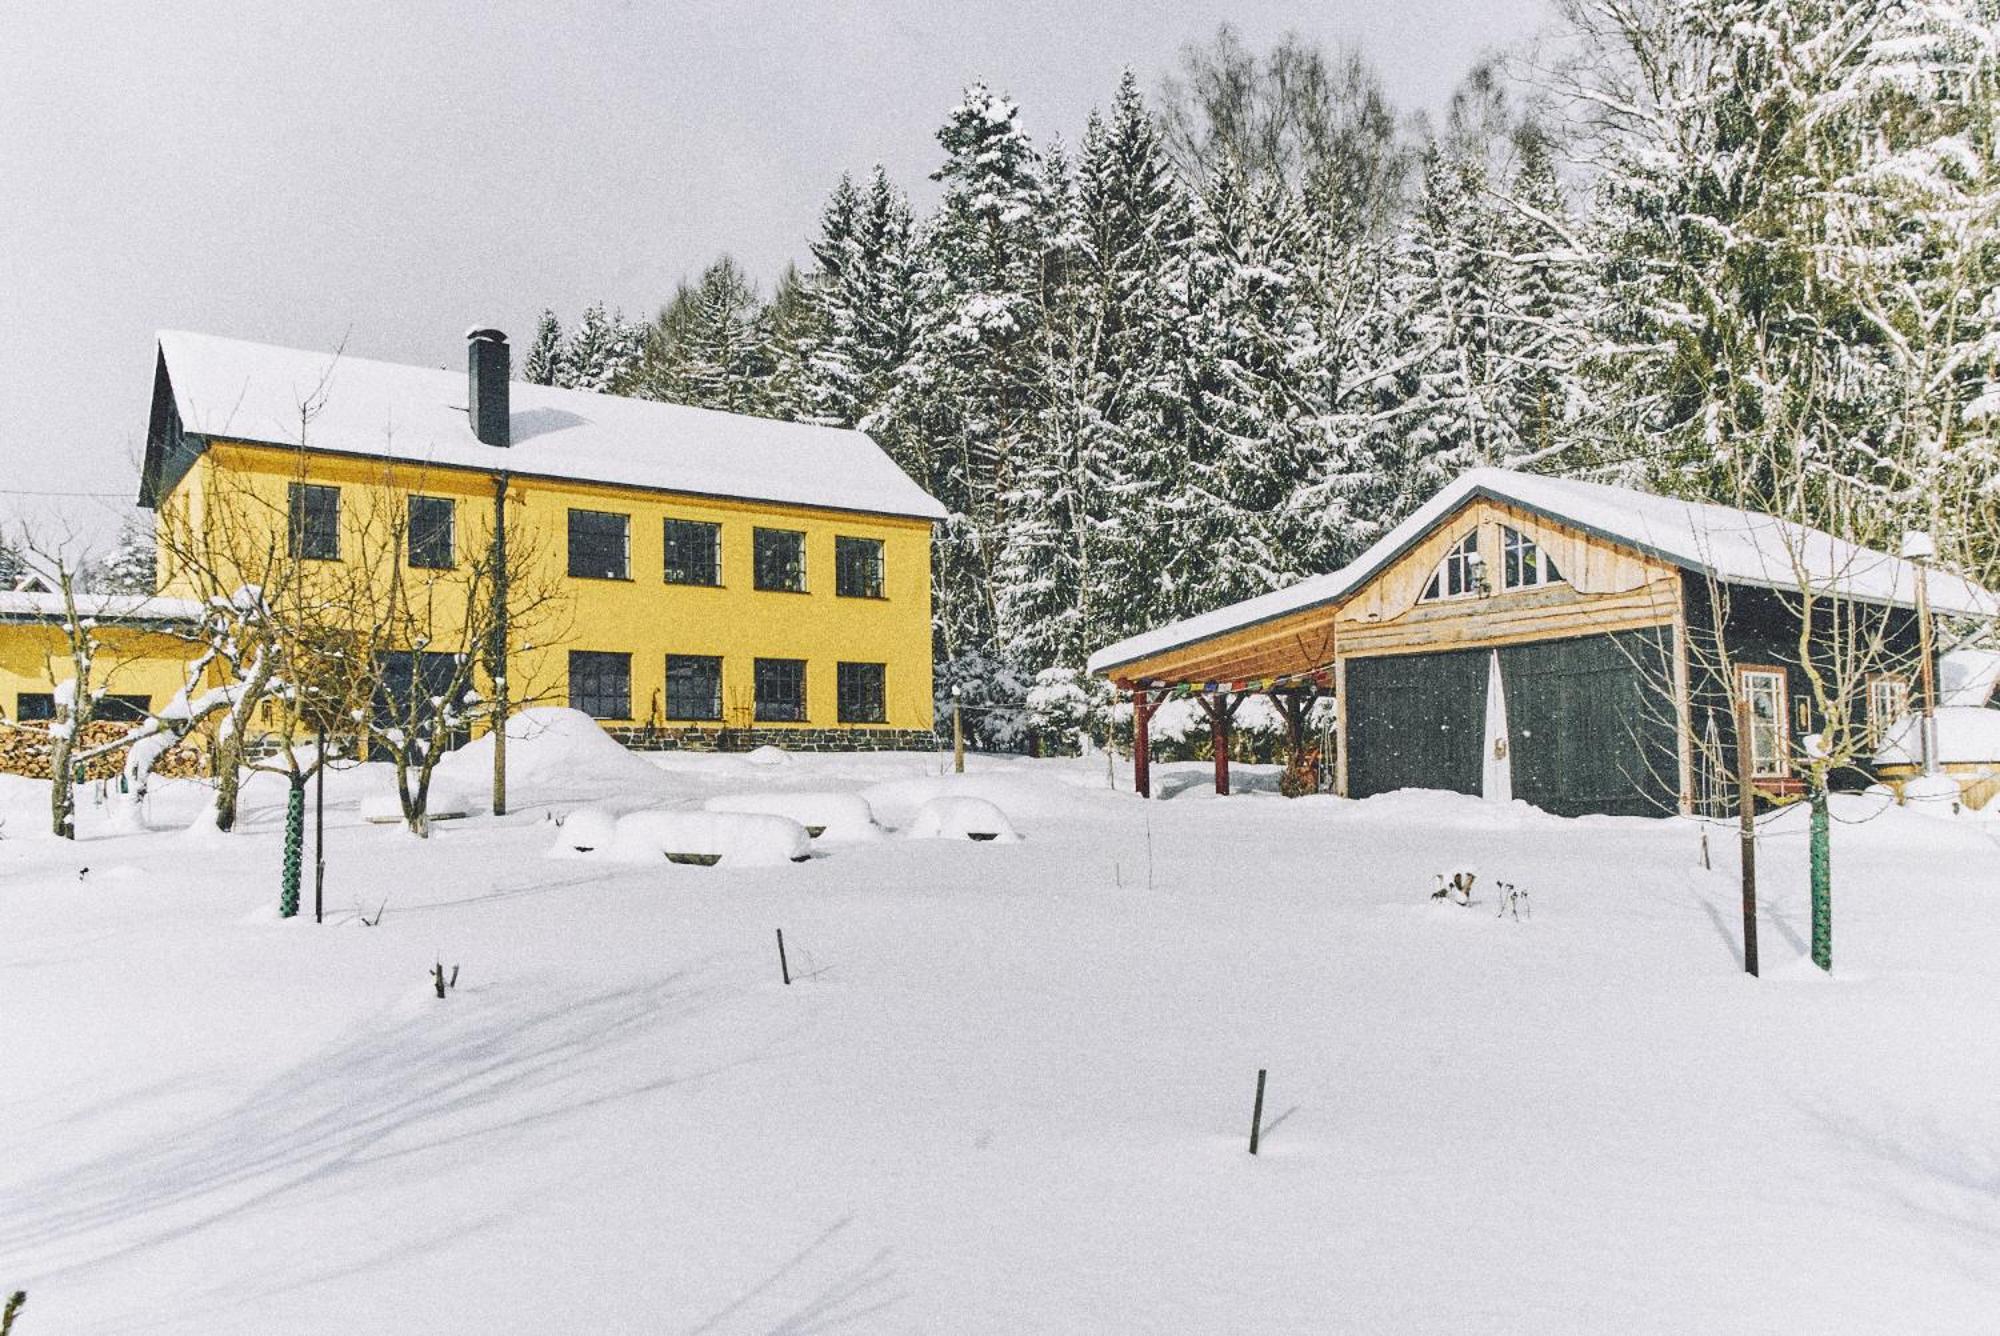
[547, 361]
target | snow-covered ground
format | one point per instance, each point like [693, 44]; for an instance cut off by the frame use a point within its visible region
[1009, 1087]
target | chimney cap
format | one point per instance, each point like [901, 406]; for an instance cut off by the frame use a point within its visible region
[486, 334]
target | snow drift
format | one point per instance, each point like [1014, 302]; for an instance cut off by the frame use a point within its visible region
[551, 749]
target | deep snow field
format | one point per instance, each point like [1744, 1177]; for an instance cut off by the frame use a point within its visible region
[1009, 1088]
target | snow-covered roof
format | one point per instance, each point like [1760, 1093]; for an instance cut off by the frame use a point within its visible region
[19, 606]
[240, 391]
[1734, 546]
[1966, 735]
[1968, 676]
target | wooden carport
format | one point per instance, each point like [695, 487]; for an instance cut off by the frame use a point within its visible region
[1289, 658]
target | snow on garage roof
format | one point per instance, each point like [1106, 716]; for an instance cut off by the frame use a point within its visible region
[239, 391]
[1734, 546]
[26, 606]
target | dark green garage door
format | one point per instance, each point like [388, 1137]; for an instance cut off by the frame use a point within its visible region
[1415, 721]
[1590, 724]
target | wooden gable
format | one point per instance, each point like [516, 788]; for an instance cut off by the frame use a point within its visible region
[1605, 586]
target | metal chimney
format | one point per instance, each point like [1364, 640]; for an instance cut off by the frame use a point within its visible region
[486, 369]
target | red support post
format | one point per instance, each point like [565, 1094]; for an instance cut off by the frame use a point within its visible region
[1218, 725]
[1142, 760]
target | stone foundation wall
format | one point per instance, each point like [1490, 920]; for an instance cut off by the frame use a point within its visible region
[721, 739]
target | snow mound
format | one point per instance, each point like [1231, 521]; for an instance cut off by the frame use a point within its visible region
[1929, 790]
[587, 829]
[766, 755]
[734, 839]
[825, 815]
[961, 818]
[551, 747]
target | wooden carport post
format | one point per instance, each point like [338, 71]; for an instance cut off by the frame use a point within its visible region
[1221, 709]
[1143, 706]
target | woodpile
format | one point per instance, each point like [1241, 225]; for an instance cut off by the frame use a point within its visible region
[25, 751]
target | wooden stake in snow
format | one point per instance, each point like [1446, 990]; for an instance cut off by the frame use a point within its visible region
[1257, 1113]
[783, 969]
[1746, 804]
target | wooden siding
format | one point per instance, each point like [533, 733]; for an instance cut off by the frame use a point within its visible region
[1604, 589]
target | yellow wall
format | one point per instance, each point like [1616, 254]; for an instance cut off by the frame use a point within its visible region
[643, 616]
[129, 662]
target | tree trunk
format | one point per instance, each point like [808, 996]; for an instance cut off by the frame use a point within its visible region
[228, 778]
[295, 841]
[1822, 876]
[62, 790]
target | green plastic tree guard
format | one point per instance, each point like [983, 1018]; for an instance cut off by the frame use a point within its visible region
[295, 841]
[1822, 882]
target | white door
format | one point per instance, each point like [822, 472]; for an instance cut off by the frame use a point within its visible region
[1497, 775]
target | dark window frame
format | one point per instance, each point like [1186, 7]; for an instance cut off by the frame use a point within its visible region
[860, 567]
[676, 538]
[312, 521]
[863, 701]
[118, 707]
[590, 560]
[711, 703]
[599, 678]
[770, 707]
[426, 557]
[766, 565]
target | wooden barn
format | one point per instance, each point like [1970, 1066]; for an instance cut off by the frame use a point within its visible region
[1578, 646]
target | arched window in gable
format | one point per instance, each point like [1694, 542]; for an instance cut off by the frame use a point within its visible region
[1458, 574]
[1523, 564]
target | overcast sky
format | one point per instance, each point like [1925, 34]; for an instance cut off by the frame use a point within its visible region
[390, 173]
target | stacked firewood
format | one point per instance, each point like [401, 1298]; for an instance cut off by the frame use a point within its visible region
[25, 751]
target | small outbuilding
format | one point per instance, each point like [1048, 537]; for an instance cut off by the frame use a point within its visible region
[1583, 647]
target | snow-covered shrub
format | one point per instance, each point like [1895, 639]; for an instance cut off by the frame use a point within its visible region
[829, 816]
[766, 755]
[961, 818]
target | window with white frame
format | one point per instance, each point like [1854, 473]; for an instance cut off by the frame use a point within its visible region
[1523, 564]
[1458, 574]
[1888, 701]
[1763, 689]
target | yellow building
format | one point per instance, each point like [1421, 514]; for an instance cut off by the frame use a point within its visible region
[142, 659]
[687, 577]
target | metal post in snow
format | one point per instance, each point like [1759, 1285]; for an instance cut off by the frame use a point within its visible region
[1257, 1114]
[784, 969]
[319, 830]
